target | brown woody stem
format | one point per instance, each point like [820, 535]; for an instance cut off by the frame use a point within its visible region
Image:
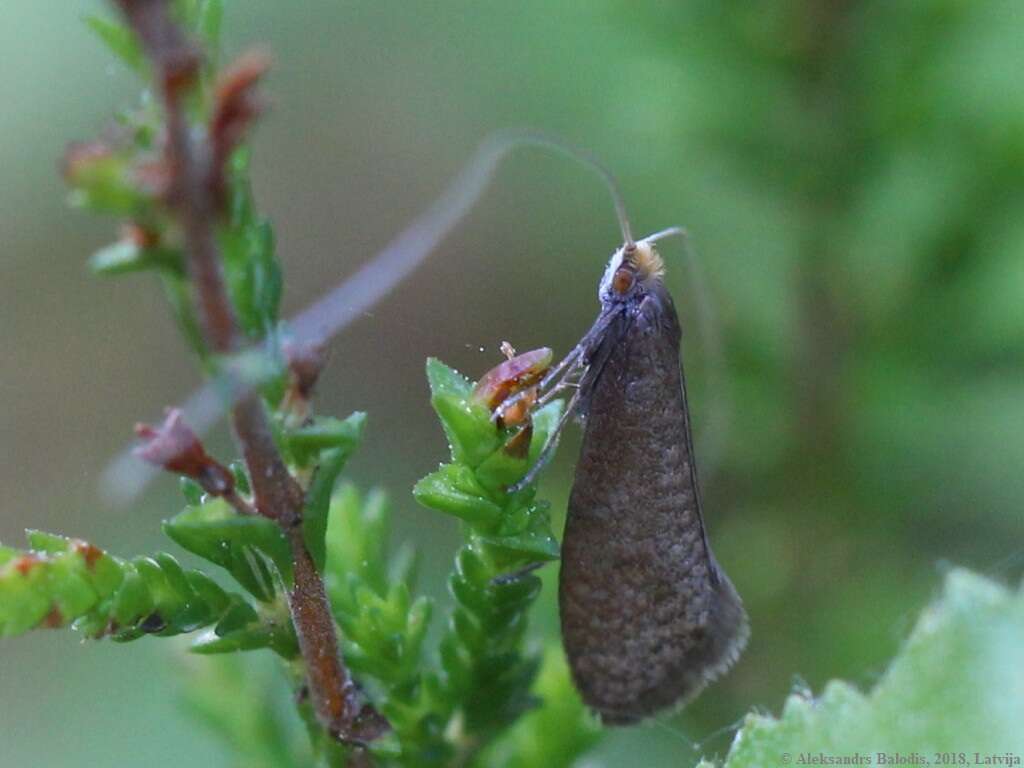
[194, 178]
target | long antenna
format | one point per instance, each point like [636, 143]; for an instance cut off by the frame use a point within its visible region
[525, 138]
[329, 314]
[126, 476]
[715, 431]
[666, 233]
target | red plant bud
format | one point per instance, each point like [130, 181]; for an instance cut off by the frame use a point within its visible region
[175, 447]
[305, 362]
[139, 236]
[518, 446]
[236, 104]
[236, 101]
[511, 377]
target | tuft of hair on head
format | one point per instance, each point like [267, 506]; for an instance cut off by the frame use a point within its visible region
[647, 260]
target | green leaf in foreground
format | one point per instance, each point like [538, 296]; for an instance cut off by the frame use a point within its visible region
[326, 443]
[553, 735]
[237, 543]
[487, 671]
[384, 627]
[62, 581]
[957, 686]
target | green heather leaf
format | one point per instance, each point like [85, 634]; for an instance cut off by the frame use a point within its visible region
[242, 629]
[7, 554]
[447, 381]
[119, 40]
[403, 565]
[250, 266]
[531, 545]
[473, 566]
[191, 490]
[211, 593]
[328, 442]
[266, 277]
[71, 592]
[544, 422]
[555, 734]
[514, 594]
[502, 693]
[318, 501]
[174, 574]
[419, 621]
[487, 676]
[167, 602]
[239, 617]
[468, 426]
[50, 543]
[955, 686]
[100, 569]
[247, 639]
[211, 15]
[454, 489]
[501, 469]
[24, 605]
[383, 628]
[214, 531]
[160, 597]
[357, 536]
[67, 581]
[240, 203]
[241, 475]
[305, 443]
[133, 600]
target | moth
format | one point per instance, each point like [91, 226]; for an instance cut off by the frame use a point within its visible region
[648, 616]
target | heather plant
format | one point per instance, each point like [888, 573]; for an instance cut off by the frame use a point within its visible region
[306, 556]
[298, 562]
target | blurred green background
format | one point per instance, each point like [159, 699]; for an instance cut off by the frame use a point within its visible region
[851, 174]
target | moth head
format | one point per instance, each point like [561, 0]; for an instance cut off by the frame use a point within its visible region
[630, 269]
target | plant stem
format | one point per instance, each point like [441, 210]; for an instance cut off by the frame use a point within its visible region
[192, 180]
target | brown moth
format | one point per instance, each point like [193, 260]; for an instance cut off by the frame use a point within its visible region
[648, 616]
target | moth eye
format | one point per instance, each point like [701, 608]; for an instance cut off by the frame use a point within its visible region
[623, 280]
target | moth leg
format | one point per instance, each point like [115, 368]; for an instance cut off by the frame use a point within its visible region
[579, 359]
[516, 575]
[549, 447]
[563, 384]
[571, 361]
